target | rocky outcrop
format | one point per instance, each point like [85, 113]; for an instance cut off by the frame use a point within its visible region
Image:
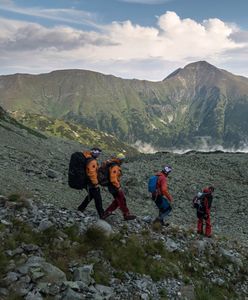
[77, 256]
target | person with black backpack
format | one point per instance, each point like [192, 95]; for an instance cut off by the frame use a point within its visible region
[203, 202]
[157, 185]
[83, 170]
[114, 174]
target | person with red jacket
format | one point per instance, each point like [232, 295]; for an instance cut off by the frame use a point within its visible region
[115, 189]
[92, 185]
[204, 214]
[161, 196]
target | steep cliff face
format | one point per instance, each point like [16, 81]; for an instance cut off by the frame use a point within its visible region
[197, 102]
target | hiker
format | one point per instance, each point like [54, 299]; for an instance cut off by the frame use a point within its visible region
[92, 186]
[203, 211]
[161, 196]
[115, 189]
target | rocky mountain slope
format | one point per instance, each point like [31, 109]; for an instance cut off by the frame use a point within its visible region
[197, 103]
[49, 250]
[52, 253]
[36, 166]
[75, 132]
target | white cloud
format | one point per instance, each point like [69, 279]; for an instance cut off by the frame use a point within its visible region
[72, 15]
[120, 48]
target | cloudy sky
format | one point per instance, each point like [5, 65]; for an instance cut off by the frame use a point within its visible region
[144, 39]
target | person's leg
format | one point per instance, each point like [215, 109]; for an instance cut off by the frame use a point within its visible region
[163, 213]
[208, 230]
[200, 225]
[113, 206]
[96, 195]
[165, 209]
[122, 203]
[85, 203]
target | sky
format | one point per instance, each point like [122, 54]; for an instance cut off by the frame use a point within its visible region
[143, 39]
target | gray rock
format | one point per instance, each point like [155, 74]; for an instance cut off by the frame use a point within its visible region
[104, 226]
[45, 224]
[51, 173]
[11, 277]
[84, 274]
[69, 294]
[170, 245]
[34, 295]
[232, 256]
[41, 271]
[105, 291]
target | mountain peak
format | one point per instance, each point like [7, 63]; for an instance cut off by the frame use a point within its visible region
[199, 69]
[202, 64]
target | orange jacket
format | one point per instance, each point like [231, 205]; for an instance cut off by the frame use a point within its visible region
[115, 173]
[162, 188]
[91, 168]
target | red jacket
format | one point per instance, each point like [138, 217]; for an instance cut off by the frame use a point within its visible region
[162, 188]
[208, 199]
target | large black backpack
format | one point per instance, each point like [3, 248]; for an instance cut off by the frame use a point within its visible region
[77, 178]
[103, 173]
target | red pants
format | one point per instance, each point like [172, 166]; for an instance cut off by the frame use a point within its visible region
[119, 201]
[208, 229]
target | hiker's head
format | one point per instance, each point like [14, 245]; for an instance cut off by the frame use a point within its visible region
[211, 189]
[121, 157]
[95, 152]
[166, 170]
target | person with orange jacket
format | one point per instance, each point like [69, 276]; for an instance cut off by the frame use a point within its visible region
[115, 189]
[92, 183]
[161, 196]
[204, 213]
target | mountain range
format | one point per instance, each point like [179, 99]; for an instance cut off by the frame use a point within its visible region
[198, 103]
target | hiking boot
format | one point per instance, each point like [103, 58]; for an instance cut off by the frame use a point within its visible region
[129, 217]
[105, 215]
[200, 232]
[164, 224]
[81, 209]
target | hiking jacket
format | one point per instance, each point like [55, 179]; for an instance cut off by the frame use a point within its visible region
[162, 188]
[207, 200]
[115, 173]
[91, 168]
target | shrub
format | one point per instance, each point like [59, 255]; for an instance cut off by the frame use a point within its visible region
[95, 237]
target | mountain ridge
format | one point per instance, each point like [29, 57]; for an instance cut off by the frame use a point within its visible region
[199, 100]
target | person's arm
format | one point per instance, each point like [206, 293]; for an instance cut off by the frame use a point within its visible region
[91, 171]
[164, 190]
[114, 176]
[210, 199]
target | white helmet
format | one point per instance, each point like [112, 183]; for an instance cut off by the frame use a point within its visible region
[167, 169]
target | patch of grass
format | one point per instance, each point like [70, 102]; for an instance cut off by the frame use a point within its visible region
[14, 296]
[156, 226]
[210, 292]
[101, 274]
[120, 275]
[15, 197]
[163, 294]
[73, 233]
[3, 262]
[96, 238]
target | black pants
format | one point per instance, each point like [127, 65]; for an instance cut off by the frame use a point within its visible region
[93, 193]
